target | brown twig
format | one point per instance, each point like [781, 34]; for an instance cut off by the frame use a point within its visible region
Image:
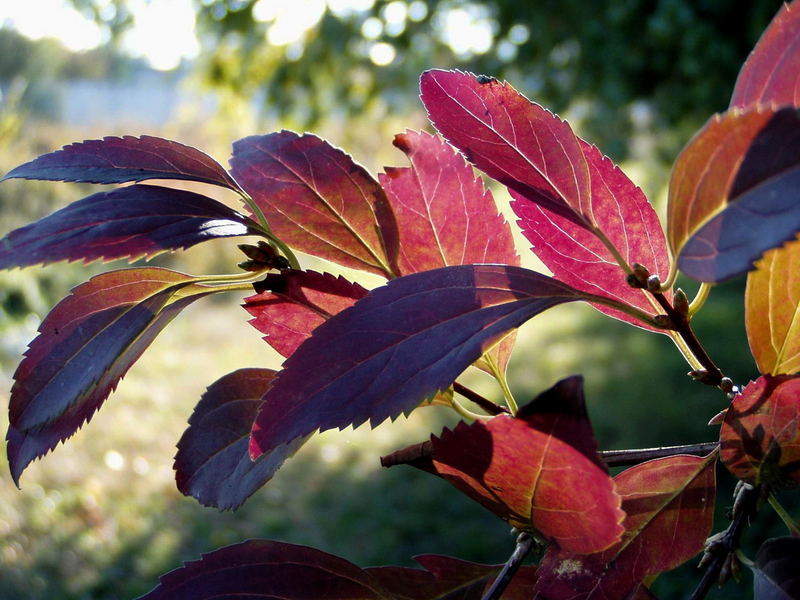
[525, 544]
[623, 458]
[486, 404]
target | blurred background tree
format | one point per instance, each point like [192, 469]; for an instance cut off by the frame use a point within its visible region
[101, 518]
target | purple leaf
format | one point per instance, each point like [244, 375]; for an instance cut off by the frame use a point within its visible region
[577, 257]
[117, 160]
[398, 346]
[293, 303]
[733, 192]
[129, 222]
[318, 200]
[213, 463]
[85, 346]
[511, 139]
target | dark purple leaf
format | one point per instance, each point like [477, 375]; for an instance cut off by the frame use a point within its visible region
[293, 303]
[85, 346]
[129, 222]
[771, 74]
[398, 346]
[576, 255]
[318, 200]
[213, 463]
[733, 192]
[117, 160]
[775, 574]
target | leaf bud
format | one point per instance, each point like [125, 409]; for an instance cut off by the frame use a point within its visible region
[680, 302]
[654, 284]
[638, 278]
[263, 256]
[664, 322]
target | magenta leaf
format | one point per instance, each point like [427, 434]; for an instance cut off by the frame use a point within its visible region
[444, 215]
[511, 139]
[213, 463]
[265, 569]
[739, 200]
[577, 257]
[291, 304]
[85, 346]
[398, 346]
[117, 160]
[771, 74]
[539, 470]
[129, 222]
[318, 200]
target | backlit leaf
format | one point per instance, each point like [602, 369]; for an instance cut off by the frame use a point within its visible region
[117, 160]
[539, 471]
[578, 257]
[733, 192]
[85, 346]
[293, 303]
[511, 139]
[398, 346]
[775, 573]
[264, 569]
[318, 200]
[669, 503]
[772, 311]
[129, 222]
[213, 463]
[444, 215]
[771, 73]
[760, 436]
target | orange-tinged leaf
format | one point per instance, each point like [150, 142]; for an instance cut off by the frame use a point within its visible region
[539, 471]
[772, 311]
[760, 437]
[669, 503]
[318, 200]
[771, 73]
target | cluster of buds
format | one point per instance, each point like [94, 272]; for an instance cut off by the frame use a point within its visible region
[262, 257]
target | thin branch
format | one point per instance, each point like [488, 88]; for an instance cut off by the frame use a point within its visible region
[622, 458]
[486, 404]
[525, 544]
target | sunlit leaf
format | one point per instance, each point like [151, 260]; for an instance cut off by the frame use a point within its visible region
[444, 215]
[398, 346]
[578, 257]
[117, 160]
[760, 436]
[264, 569]
[669, 503]
[129, 222]
[771, 73]
[733, 192]
[213, 463]
[85, 346]
[775, 574]
[539, 471]
[513, 140]
[318, 200]
[293, 303]
[772, 311]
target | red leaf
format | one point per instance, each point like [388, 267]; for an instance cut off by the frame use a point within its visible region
[770, 74]
[398, 346]
[129, 222]
[733, 192]
[269, 570]
[760, 436]
[444, 215]
[669, 503]
[117, 160]
[213, 463]
[511, 139]
[318, 200]
[538, 471]
[772, 311]
[85, 346]
[576, 256]
[294, 303]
